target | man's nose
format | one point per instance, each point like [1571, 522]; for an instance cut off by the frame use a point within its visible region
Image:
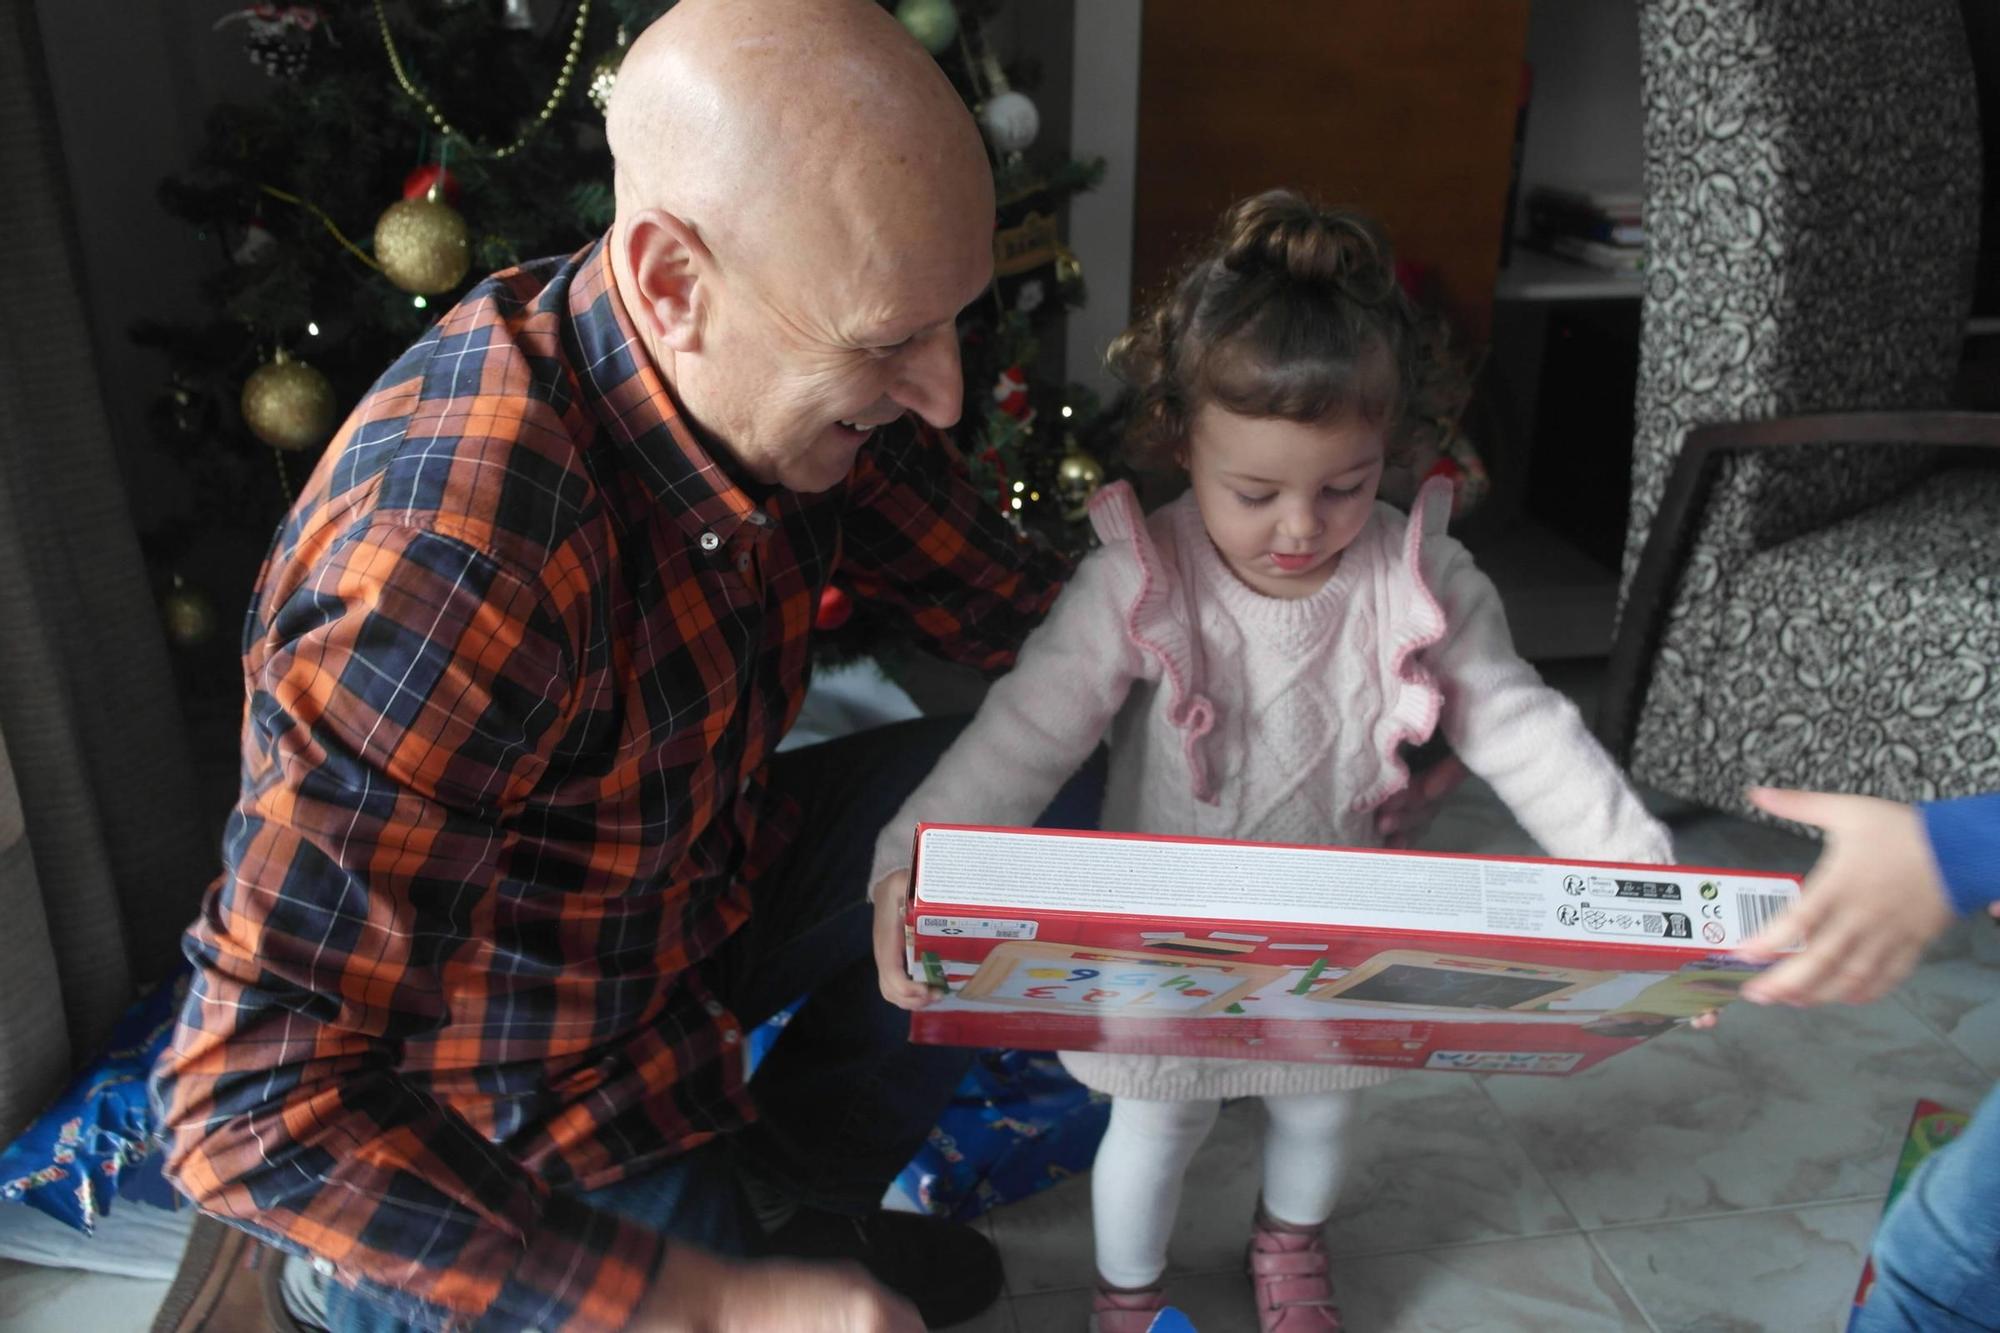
[932, 385]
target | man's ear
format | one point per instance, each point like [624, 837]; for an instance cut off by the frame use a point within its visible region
[668, 263]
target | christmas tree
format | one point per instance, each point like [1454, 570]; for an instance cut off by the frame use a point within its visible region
[405, 149]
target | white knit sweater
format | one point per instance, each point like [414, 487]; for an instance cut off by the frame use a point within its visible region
[1236, 715]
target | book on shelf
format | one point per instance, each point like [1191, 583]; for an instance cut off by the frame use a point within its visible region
[1553, 219]
[1617, 203]
[1594, 254]
[1601, 227]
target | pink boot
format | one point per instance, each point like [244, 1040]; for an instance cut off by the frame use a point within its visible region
[1288, 1275]
[1116, 1311]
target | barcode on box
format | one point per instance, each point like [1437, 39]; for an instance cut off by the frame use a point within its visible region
[973, 927]
[1754, 911]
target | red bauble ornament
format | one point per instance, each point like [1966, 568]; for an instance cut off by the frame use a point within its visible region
[418, 183]
[835, 608]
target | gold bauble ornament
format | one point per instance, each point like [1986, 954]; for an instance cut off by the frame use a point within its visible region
[604, 75]
[289, 405]
[188, 617]
[1078, 476]
[422, 245]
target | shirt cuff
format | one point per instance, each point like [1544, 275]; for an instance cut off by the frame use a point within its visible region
[1965, 844]
[583, 1271]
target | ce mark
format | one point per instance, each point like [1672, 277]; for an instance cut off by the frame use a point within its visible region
[1712, 911]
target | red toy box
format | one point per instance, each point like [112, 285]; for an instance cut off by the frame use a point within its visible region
[1419, 960]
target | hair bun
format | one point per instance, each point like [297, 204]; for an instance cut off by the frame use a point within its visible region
[1281, 232]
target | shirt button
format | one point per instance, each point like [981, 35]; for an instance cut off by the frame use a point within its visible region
[729, 1037]
[324, 1267]
[714, 1008]
[709, 541]
[761, 519]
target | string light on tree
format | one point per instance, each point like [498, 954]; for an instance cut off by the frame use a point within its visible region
[604, 74]
[186, 615]
[429, 181]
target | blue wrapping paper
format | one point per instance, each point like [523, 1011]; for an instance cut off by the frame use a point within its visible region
[95, 1142]
[1017, 1124]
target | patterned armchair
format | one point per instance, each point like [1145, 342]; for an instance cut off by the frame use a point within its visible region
[1812, 571]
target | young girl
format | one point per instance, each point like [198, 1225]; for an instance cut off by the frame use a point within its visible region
[1260, 650]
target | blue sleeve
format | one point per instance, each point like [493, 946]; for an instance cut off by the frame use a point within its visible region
[1965, 840]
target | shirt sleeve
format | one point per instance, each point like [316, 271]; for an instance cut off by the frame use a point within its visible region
[1965, 842]
[1525, 739]
[1039, 722]
[920, 542]
[402, 702]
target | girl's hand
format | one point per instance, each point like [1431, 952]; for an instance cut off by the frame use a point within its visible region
[1402, 819]
[892, 902]
[1871, 903]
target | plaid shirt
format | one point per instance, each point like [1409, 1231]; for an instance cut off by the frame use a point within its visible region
[515, 666]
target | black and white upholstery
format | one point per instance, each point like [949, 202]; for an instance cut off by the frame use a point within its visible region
[1812, 597]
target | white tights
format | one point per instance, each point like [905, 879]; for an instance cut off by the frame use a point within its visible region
[1135, 1186]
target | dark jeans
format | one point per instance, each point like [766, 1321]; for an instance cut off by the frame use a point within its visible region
[844, 1099]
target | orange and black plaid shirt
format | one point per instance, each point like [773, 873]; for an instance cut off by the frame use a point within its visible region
[514, 669]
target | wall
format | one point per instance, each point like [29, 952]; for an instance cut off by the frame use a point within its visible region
[1585, 117]
[1105, 106]
[130, 95]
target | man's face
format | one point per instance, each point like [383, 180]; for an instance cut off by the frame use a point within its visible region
[802, 359]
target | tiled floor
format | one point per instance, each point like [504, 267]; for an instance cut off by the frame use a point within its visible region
[1720, 1182]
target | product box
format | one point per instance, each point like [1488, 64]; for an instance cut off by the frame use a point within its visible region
[1420, 960]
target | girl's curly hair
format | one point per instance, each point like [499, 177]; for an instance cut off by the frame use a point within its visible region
[1292, 311]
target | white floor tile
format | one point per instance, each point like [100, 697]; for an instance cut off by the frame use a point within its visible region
[1793, 1269]
[67, 1300]
[1775, 1108]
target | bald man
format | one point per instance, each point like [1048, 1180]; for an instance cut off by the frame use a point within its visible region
[515, 866]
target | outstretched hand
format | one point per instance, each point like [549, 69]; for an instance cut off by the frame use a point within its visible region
[1871, 903]
[892, 905]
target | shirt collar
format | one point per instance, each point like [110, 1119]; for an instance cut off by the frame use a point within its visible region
[636, 409]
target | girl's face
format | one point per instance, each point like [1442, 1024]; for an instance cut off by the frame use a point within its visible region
[1282, 499]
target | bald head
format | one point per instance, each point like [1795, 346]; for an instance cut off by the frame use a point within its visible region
[763, 123]
[804, 206]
